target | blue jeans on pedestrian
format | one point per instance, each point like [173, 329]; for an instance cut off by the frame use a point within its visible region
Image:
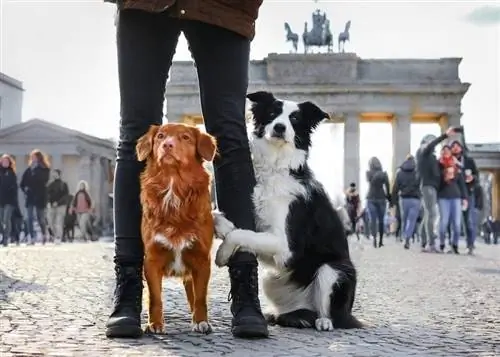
[411, 209]
[39, 213]
[376, 212]
[450, 212]
[471, 224]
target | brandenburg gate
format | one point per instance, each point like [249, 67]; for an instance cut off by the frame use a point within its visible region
[353, 90]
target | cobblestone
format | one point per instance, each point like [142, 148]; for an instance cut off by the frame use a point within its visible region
[54, 301]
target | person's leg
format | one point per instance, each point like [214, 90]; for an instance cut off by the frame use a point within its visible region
[59, 221]
[444, 214]
[471, 222]
[7, 219]
[429, 196]
[51, 218]
[455, 222]
[42, 222]
[381, 209]
[146, 44]
[2, 225]
[222, 59]
[411, 218]
[372, 220]
[30, 212]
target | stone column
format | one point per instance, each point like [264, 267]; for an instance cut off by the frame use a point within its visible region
[452, 119]
[401, 139]
[351, 148]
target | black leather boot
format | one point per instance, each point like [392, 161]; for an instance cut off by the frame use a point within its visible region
[125, 320]
[248, 320]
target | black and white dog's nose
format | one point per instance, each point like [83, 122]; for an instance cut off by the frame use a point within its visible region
[279, 129]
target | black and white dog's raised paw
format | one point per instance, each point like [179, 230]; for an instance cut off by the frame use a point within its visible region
[222, 225]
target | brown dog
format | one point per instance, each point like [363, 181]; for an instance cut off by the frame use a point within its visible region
[177, 224]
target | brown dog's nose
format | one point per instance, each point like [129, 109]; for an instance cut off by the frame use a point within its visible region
[168, 143]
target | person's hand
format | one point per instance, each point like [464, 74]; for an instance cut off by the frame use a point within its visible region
[451, 131]
[54, 204]
[465, 205]
[469, 178]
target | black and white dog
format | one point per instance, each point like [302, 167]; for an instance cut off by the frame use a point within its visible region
[311, 280]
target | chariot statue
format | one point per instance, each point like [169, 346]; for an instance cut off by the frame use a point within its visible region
[320, 34]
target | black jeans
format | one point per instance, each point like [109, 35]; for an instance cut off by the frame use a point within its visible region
[146, 44]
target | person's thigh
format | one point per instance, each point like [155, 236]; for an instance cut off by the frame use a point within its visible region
[146, 44]
[2, 218]
[381, 208]
[444, 214]
[456, 215]
[222, 59]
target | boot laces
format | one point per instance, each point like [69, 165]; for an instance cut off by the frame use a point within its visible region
[128, 293]
[244, 287]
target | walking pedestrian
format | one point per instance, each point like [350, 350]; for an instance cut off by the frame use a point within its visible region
[8, 195]
[377, 198]
[407, 188]
[58, 198]
[353, 205]
[34, 186]
[82, 206]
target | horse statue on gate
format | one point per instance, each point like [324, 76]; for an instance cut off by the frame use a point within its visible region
[292, 37]
[320, 34]
[344, 36]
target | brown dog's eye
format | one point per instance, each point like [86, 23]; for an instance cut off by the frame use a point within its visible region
[160, 136]
[185, 137]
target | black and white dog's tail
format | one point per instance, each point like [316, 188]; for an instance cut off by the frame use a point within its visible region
[342, 298]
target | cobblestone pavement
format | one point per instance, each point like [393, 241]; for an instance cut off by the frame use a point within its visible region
[54, 301]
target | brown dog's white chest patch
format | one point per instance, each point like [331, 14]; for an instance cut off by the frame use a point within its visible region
[176, 267]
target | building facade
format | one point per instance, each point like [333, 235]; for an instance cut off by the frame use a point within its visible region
[352, 90]
[79, 156]
[11, 101]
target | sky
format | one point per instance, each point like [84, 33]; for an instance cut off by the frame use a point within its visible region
[64, 53]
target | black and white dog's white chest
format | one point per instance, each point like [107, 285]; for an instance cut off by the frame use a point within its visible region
[273, 194]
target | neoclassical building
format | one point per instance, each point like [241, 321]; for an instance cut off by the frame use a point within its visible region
[353, 90]
[79, 156]
[11, 101]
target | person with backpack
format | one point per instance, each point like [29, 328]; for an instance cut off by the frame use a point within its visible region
[407, 188]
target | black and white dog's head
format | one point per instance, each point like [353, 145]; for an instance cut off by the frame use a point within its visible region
[282, 128]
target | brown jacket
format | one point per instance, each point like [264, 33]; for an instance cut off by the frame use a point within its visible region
[235, 15]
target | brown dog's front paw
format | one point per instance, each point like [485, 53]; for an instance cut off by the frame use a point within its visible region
[201, 327]
[155, 328]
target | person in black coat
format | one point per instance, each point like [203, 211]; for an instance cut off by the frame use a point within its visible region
[8, 195]
[377, 198]
[407, 188]
[34, 186]
[470, 173]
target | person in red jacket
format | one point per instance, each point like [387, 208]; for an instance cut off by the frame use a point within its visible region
[219, 33]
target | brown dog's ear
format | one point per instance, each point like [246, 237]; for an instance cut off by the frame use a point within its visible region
[144, 145]
[206, 146]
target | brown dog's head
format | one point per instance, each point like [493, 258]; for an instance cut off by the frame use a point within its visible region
[176, 145]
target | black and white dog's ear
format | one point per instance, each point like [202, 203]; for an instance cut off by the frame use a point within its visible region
[261, 97]
[312, 113]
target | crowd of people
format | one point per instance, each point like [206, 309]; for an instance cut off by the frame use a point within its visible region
[428, 191]
[48, 202]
